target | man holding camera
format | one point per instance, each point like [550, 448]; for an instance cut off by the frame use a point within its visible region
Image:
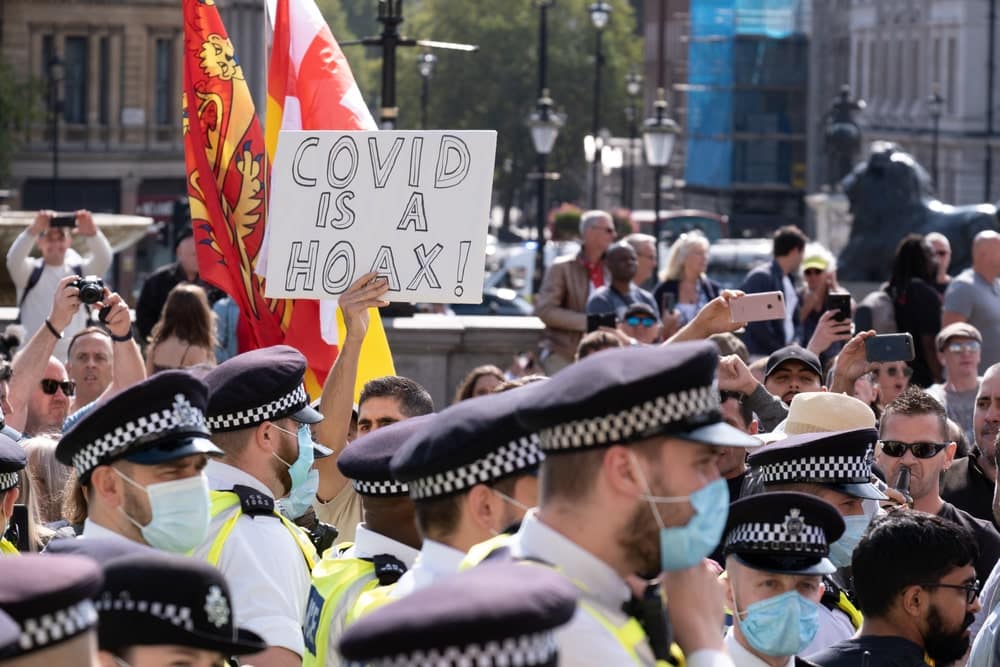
[36, 279]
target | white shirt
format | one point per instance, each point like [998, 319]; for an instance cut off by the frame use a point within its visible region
[584, 642]
[268, 576]
[742, 657]
[368, 543]
[91, 529]
[435, 561]
[38, 305]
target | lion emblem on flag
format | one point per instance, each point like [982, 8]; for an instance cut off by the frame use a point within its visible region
[218, 58]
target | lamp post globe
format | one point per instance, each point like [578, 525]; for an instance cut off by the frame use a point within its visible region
[659, 133]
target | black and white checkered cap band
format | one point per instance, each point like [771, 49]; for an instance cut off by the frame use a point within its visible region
[522, 651]
[662, 411]
[181, 416]
[516, 456]
[8, 480]
[771, 537]
[261, 413]
[179, 616]
[39, 633]
[380, 488]
[820, 469]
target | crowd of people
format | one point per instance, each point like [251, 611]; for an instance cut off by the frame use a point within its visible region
[675, 488]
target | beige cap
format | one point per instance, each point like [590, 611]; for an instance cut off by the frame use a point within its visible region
[956, 330]
[821, 412]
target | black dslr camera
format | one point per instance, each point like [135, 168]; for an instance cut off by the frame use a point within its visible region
[91, 289]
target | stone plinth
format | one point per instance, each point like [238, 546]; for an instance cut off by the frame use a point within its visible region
[833, 219]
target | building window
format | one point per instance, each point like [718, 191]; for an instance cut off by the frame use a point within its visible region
[75, 67]
[951, 92]
[936, 62]
[104, 81]
[859, 68]
[915, 84]
[163, 82]
[884, 72]
[897, 84]
[870, 80]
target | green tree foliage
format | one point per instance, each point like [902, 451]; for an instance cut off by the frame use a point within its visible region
[496, 88]
[18, 105]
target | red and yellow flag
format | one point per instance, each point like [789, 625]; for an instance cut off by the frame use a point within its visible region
[310, 86]
[226, 166]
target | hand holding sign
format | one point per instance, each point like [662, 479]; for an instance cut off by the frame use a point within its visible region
[368, 291]
[411, 207]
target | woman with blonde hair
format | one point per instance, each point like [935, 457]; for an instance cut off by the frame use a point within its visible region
[185, 334]
[685, 288]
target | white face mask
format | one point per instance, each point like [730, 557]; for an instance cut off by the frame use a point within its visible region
[180, 510]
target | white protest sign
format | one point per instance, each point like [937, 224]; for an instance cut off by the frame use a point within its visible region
[412, 206]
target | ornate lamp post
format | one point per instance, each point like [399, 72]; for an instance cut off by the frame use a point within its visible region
[425, 65]
[55, 70]
[544, 124]
[600, 13]
[658, 136]
[633, 86]
[935, 106]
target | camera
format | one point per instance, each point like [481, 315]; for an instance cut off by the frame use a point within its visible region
[91, 289]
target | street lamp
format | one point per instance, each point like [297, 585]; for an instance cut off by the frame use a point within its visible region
[935, 105]
[425, 65]
[55, 70]
[633, 86]
[544, 124]
[600, 13]
[658, 136]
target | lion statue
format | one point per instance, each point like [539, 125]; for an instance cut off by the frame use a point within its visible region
[890, 197]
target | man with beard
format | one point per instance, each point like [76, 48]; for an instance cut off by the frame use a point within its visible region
[914, 435]
[259, 414]
[916, 585]
[142, 480]
[630, 484]
[969, 483]
[792, 370]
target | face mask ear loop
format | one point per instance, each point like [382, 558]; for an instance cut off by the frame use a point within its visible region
[135, 484]
[647, 492]
[519, 505]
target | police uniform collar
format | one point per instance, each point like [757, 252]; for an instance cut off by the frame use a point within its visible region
[92, 529]
[742, 657]
[539, 541]
[223, 477]
[368, 543]
[439, 558]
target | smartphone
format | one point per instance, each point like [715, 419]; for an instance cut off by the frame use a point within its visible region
[596, 321]
[841, 302]
[890, 347]
[758, 307]
[669, 301]
[63, 221]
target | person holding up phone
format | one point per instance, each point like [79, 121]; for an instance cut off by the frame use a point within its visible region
[37, 279]
[820, 294]
[685, 288]
[764, 337]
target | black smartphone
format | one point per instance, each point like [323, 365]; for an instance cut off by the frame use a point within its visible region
[596, 321]
[669, 301]
[63, 221]
[890, 347]
[841, 302]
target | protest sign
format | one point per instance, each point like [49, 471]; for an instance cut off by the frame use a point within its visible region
[412, 206]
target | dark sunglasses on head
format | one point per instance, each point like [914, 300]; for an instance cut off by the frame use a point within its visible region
[920, 450]
[50, 386]
[634, 321]
[893, 371]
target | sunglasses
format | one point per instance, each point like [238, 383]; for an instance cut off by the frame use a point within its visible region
[893, 371]
[634, 321]
[920, 450]
[968, 346]
[50, 386]
[812, 272]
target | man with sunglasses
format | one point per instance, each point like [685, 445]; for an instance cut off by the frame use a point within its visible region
[642, 323]
[917, 588]
[913, 435]
[959, 347]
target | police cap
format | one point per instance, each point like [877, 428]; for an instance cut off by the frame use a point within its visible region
[12, 460]
[366, 460]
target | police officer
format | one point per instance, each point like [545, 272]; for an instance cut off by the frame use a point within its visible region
[259, 414]
[50, 598]
[158, 609]
[630, 485]
[12, 461]
[472, 473]
[385, 545]
[776, 547]
[139, 459]
[495, 614]
[836, 467]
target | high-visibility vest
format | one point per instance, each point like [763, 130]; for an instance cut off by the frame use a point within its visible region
[834, 597]
[8, 549]
[223, 501]
[337, 583]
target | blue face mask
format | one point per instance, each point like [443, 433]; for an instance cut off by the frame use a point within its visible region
[842, 549]
[299, 470]
[300, 499]
[781, 626]
[685, 546]
[180, 513]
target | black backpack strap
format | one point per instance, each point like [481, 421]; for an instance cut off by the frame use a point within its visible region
[253, 502]
[388, 569]
[36, 275]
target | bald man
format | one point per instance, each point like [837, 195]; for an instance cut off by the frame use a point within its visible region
[974, 296]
